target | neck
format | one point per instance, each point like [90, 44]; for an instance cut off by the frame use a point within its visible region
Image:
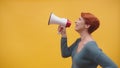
[85, 35]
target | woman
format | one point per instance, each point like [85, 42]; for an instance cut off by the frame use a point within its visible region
[84, 51]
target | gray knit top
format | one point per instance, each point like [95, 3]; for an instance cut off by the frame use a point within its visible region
[89, 57]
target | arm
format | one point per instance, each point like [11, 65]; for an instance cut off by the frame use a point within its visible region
[65, 50]
[99, 57]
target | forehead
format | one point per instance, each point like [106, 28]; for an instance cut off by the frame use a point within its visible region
[81, 18]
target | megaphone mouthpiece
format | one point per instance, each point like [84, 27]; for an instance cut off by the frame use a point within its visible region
[68, 24]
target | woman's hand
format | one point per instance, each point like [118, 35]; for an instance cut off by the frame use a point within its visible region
[62, 30]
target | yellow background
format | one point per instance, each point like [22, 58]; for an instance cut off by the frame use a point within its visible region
[26, 40]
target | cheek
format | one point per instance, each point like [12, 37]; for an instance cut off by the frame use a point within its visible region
[77, 27]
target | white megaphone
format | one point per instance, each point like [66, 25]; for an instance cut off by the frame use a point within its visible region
[53, 19]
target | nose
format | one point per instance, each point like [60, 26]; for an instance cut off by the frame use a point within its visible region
[75, 22]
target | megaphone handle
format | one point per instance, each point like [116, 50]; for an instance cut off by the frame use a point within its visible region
[61, 28]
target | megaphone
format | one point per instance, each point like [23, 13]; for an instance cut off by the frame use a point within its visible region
[53, 19]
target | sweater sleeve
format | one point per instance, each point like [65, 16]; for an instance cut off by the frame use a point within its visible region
[65, 50]
[96, 55]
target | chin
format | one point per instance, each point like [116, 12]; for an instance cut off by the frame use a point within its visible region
[76, 29]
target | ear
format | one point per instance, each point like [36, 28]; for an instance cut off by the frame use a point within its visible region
[87, 26]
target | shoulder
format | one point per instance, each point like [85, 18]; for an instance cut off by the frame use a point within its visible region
[92, 49]
[91, 44]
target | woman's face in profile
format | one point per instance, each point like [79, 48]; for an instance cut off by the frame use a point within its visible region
[79, 24]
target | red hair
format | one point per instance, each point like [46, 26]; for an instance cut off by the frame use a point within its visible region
[91, 20]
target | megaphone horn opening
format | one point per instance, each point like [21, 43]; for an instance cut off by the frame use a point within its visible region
[49, 18]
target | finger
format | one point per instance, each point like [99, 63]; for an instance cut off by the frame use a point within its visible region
[61, 29]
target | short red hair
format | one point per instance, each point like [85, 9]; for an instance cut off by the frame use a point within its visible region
[91, 20]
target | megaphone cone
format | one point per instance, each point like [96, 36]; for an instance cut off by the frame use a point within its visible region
[53, 19]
